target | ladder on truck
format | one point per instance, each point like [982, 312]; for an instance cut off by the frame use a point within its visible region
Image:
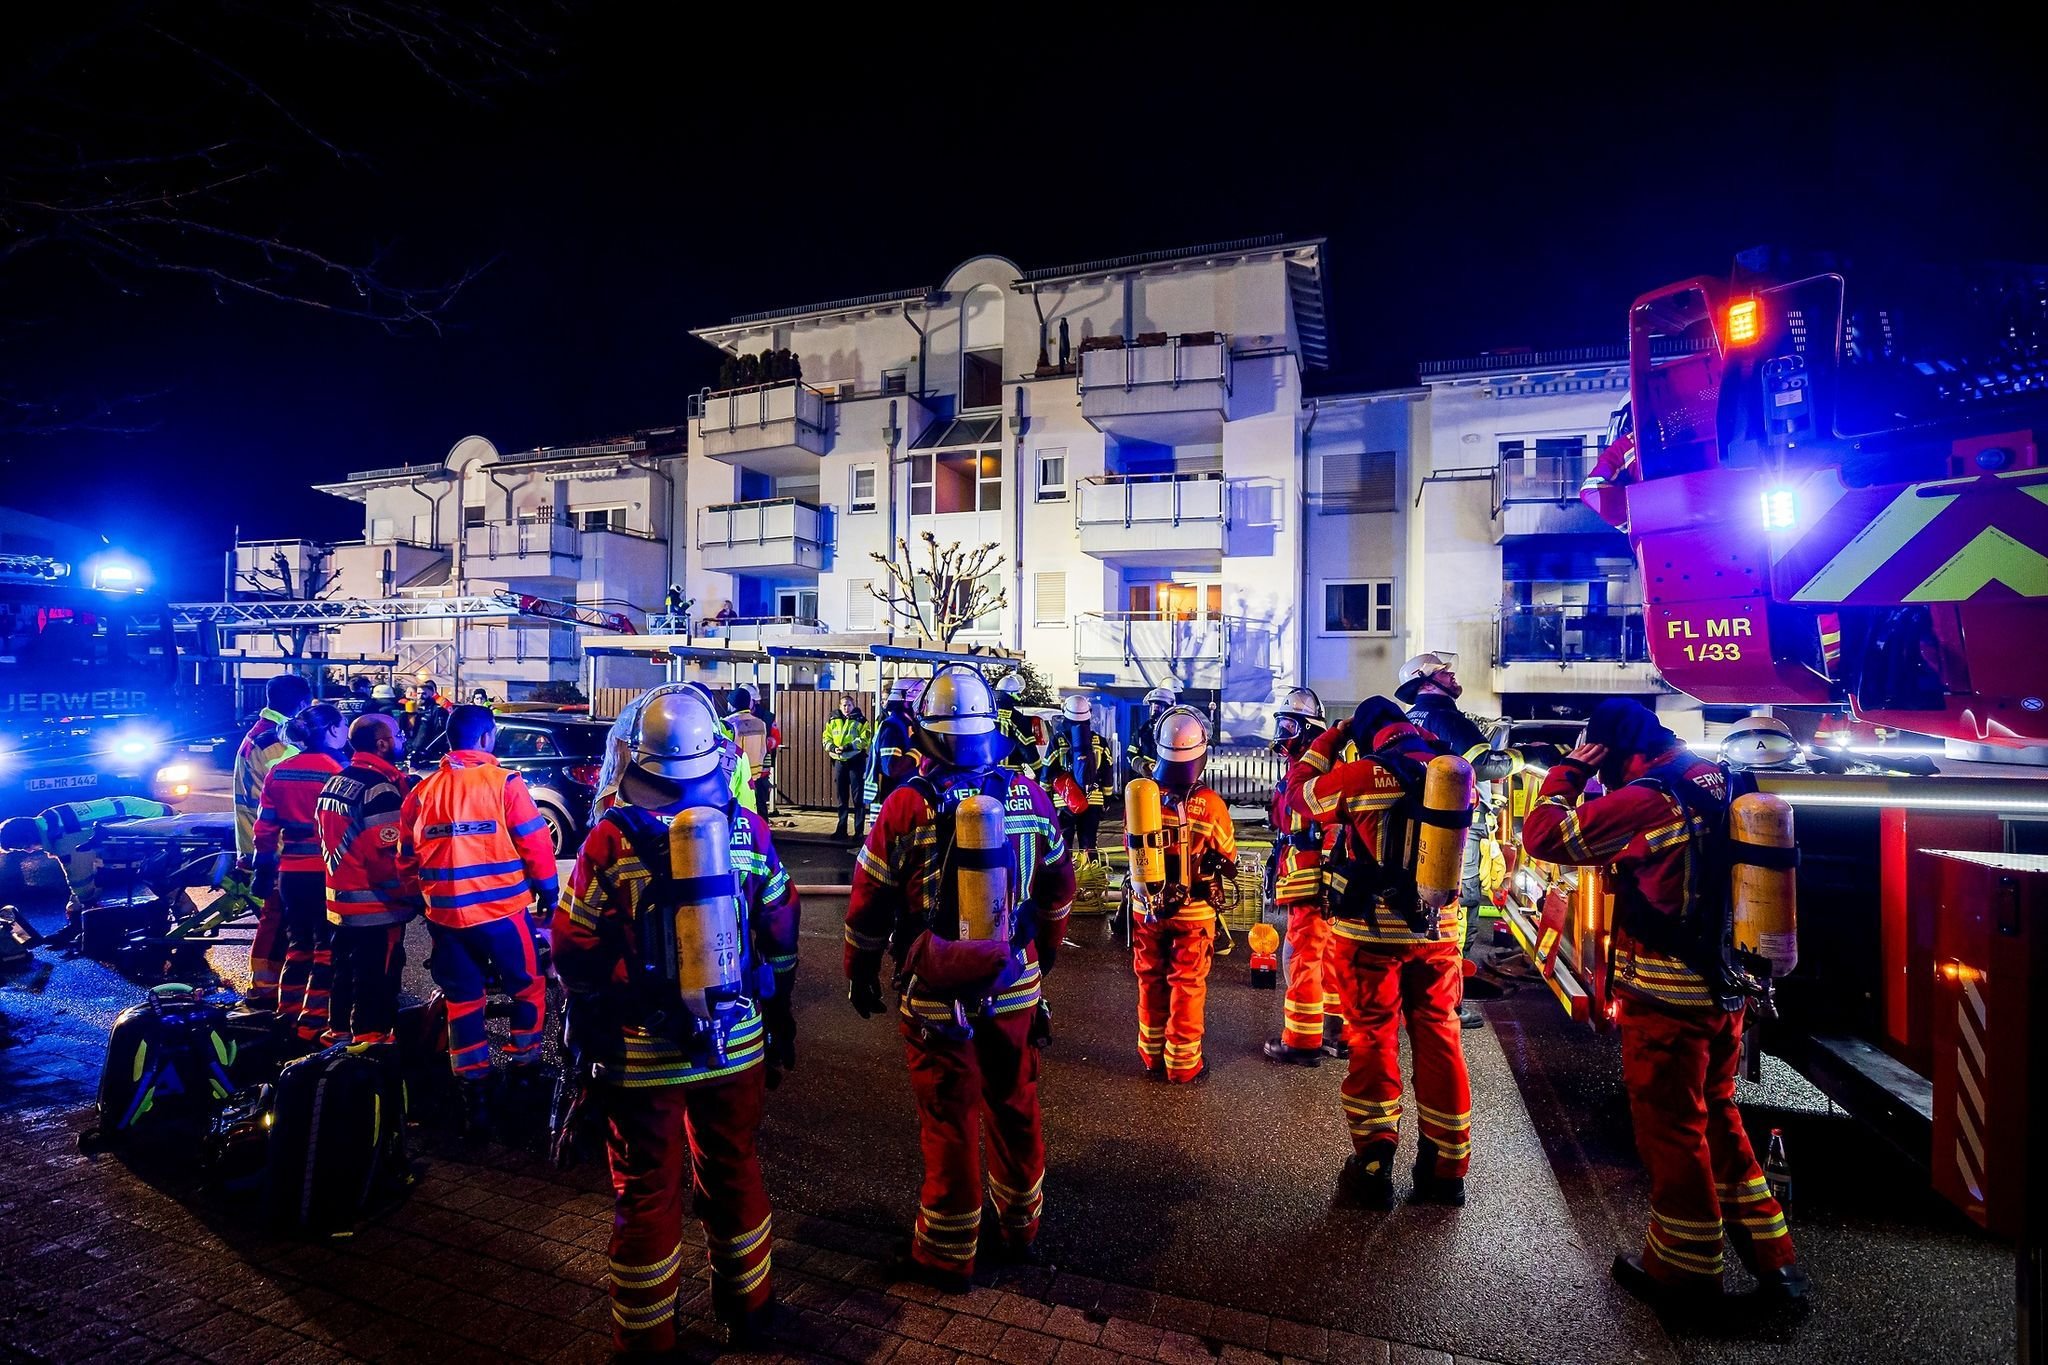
[260, 614]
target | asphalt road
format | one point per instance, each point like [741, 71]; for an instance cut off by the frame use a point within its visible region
[1222, 1193]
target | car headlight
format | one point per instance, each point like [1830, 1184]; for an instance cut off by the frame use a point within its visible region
[175, 779]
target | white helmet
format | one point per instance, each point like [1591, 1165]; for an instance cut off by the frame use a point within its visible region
[1077, 707]
[906, 690]
[1760, 742]
[383, 692]
[1010, 685]
[1183, 739]
[678, 754]
[1420, 670]
[955, 719]
[1301, 709]
[1159, 696]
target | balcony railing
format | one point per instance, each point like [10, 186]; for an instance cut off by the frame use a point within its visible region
[520, 539]
[776, 428]
[1170, 390]
[523, 644]
[1127, 513]
[1568, 634]
[1548, 475]
[1151, 637]
[1191, 358]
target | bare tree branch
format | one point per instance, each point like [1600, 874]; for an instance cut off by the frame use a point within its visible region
[944, 596]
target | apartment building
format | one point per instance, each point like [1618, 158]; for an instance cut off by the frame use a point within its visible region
[586, 525]
[1127, 433]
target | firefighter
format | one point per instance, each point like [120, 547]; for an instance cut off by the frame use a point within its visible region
[1392, 962]
[70, 834]
[263, 748]
[471, 835]
[619, 747]
[1081, 763]
[892, 756]
[1173, 927]
[1021, 730]
[431, 721]
[742, 703]
[969, 1007]
[680, 1078]
[1428, 686]
[369, 899]
[846, 744]
[1141, 755]
[1679, 1007]
[1312, 1019]
[288, 865]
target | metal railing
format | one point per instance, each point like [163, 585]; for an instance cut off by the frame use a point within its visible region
[758, 522]
[1571, 634]
[787, 400]
[514, 644]
[1154, 637]
[1177, 360]
[1550, 475]
[1244, 774]
[519, 539]
[1142, 499]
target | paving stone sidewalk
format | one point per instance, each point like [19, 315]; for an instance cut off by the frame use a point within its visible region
[494, 1256]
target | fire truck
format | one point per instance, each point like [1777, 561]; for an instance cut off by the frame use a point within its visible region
[1835, 487]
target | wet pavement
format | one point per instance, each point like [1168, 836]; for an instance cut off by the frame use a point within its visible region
[1215, 1201]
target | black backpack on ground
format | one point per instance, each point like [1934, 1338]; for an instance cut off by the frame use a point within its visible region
[337, 1139]
[169, 1066]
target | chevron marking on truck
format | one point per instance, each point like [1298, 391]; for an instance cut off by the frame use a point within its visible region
[1992, 557]
[1868, 550]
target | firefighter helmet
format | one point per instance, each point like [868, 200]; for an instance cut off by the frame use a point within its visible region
[1760, 742]
[1183, 739]
[906, 690]
[955, 719]
[678, 755]
[1010, 685]
[1159, 696]
[1077, 707]
[1419, 670]
[1301, 710]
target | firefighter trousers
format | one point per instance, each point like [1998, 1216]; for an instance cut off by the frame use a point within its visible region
[369, 959]
[1310, 1012]
[266, 954]
[1679, 1067]
[1171, 958]
[1382, 985]
[672, 1143]
[464, 963]
[984, 1087]
[305, 988]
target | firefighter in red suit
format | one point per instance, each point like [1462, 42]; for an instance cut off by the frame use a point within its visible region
[682, 1105]
[1679, 1009]
[1390, 968]
[1311, 1019]
[969, 1009]
[288, 865]
[1173, 931]
[263, 748]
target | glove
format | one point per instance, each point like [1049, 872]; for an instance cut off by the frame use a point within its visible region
[780, 1016]
[866, 994]
[1048, 954]
[543, 949]
[263, 883]
[1040, 1034]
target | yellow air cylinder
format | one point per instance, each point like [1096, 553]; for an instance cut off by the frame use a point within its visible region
[707, 923]
[1766, 902]
[752, 734]
[1143, 821]
[1440, 853]
[982, 866]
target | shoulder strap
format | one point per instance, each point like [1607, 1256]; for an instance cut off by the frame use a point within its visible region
[649, 842]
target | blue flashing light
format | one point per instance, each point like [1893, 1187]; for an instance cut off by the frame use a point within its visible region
[1781, 509]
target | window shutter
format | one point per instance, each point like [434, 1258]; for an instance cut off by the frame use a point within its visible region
[862, 610]
[1049, 592]
[1357, 481]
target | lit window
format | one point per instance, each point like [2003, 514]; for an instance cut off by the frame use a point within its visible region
[956, 481]
[1359, 607]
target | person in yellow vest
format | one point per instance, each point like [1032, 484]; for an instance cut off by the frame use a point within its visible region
[263, 748]
[846, 744]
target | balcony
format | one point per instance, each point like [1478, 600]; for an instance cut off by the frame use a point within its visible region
[1572, 649]
[523, 551]
[1168, 390]
[774, 429]
[520, 644]
[1537, 493]
[772, 538]
[760, 630]
[1136, 648]
[1150, 518]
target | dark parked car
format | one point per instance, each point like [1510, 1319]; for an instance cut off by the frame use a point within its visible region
[559, 757]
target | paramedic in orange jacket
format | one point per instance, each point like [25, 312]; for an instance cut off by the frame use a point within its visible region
[1173, 929]
[681, 1103]
[484, 858]
[969, 1009]
[1389, 969]
[1311, 1021]
[1680, 1039]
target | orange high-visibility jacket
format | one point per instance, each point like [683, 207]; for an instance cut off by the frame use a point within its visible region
[479, 847]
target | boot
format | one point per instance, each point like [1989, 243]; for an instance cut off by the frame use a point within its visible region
[1431, 1188]
[749, 1329]
[476, 1108]
[1334, 1045]
[1628, 1272]
[1786, 1284]
[1470, 1017]
[903, 1266]
[1367, 1182]
[1277, 1050]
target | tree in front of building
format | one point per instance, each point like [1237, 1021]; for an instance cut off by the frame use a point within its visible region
[277, 581]
[951, 590]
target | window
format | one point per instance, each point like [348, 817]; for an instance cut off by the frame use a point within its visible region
[1175, 601]
[863, 612]
[981, 379]
[988, 585]
[801, 603]
[1357, 481]
[1545, 469]
[517, 743]
[598, 518]
[1052, 475]
[1359, 607]
[1049, 594]
[956, 481]
[895, 381]
[474, 516]
[861, 497]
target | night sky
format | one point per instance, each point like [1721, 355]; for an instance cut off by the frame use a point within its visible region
[1481, 184]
